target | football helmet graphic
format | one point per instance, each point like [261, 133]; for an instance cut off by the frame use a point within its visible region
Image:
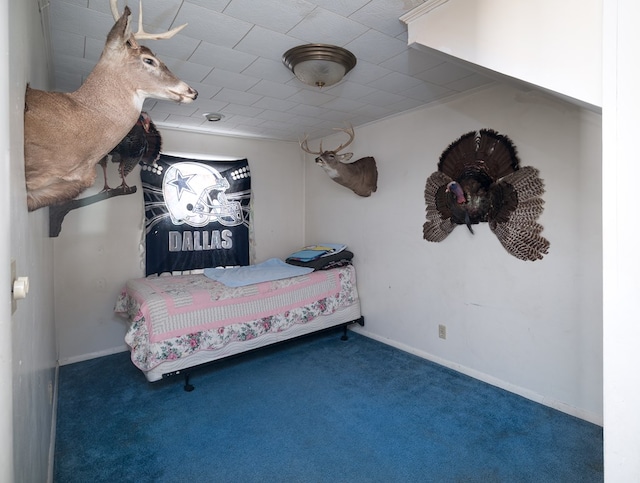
[195, 194]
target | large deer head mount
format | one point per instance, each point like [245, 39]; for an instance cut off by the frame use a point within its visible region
[66, 134]
[360, 176]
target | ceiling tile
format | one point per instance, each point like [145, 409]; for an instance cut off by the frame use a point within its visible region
[217, 5]
[343, 105]
[209, 105]
[187, 70]
[81, 21]
[225, 78]
[274, 89]
[278, 15]
[266, 43]
[365, 72]
[395, 82]
[382, 98]
[178, 47]
[384, 16]
[268, 69]
[349, 90]
[237, 97]
[325, 27]
[341, 7]
[211, 26]
[221, 57]
[274, 104]
[375, 47]
[311, 98]
[248, 111]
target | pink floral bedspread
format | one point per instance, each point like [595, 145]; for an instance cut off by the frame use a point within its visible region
[175, 316]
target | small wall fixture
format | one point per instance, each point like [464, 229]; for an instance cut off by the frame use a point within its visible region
[319, 65]
[213, 116]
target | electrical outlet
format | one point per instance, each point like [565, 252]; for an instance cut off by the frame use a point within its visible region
[442, 331]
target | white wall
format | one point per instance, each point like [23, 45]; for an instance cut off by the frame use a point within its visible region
[99, 246]
[532, 327]
[622, 258]
[32, 327]
[550, 44]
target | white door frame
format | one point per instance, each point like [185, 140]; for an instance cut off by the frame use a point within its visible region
[6, 371]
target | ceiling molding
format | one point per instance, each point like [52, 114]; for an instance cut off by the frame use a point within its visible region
[423, 9]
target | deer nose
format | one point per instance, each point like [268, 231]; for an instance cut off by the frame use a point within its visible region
[194, 93]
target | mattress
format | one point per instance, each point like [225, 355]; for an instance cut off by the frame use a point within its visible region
[181, 321]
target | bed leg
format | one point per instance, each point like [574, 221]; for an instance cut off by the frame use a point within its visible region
[187, 386]
[344, 333]
[359, 321]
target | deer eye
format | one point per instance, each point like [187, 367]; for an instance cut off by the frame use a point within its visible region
[150, 61]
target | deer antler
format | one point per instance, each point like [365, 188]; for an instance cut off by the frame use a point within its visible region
[305, 146]
[141, 34]
[349, 131]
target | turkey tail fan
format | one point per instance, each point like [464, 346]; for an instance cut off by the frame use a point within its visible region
[498, 153]
[483, 150]
[457, 155]
[154, 145]
[517, 227]
[439, 223]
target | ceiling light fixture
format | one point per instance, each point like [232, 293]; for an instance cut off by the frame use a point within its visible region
[319, 65]
[213, 116]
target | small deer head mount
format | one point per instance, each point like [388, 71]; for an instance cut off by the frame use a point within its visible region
[360, 176]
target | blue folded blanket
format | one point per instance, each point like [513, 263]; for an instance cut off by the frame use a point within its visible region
[272, 269]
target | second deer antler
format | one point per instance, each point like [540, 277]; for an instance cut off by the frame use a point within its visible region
[141, 34]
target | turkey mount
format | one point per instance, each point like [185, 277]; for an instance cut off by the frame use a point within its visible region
[479, 179]
[141, 145]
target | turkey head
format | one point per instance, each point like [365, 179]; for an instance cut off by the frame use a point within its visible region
[479, 179]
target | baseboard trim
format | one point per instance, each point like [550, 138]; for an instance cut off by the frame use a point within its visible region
[63, 361]
[526, 393]
[54, 424]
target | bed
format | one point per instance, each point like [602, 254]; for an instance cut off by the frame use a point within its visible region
[180, 322]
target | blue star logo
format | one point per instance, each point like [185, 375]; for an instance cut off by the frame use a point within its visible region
[182, 183]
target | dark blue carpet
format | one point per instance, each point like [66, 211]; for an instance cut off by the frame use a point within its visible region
[314, 410]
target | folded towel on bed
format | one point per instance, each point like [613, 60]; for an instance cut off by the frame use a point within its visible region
[272, 269]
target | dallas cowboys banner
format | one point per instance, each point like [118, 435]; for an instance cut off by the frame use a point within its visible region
[197, 213]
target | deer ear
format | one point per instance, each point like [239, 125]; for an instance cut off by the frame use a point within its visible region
[344, 158]
[119, 33]
[132, 42]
